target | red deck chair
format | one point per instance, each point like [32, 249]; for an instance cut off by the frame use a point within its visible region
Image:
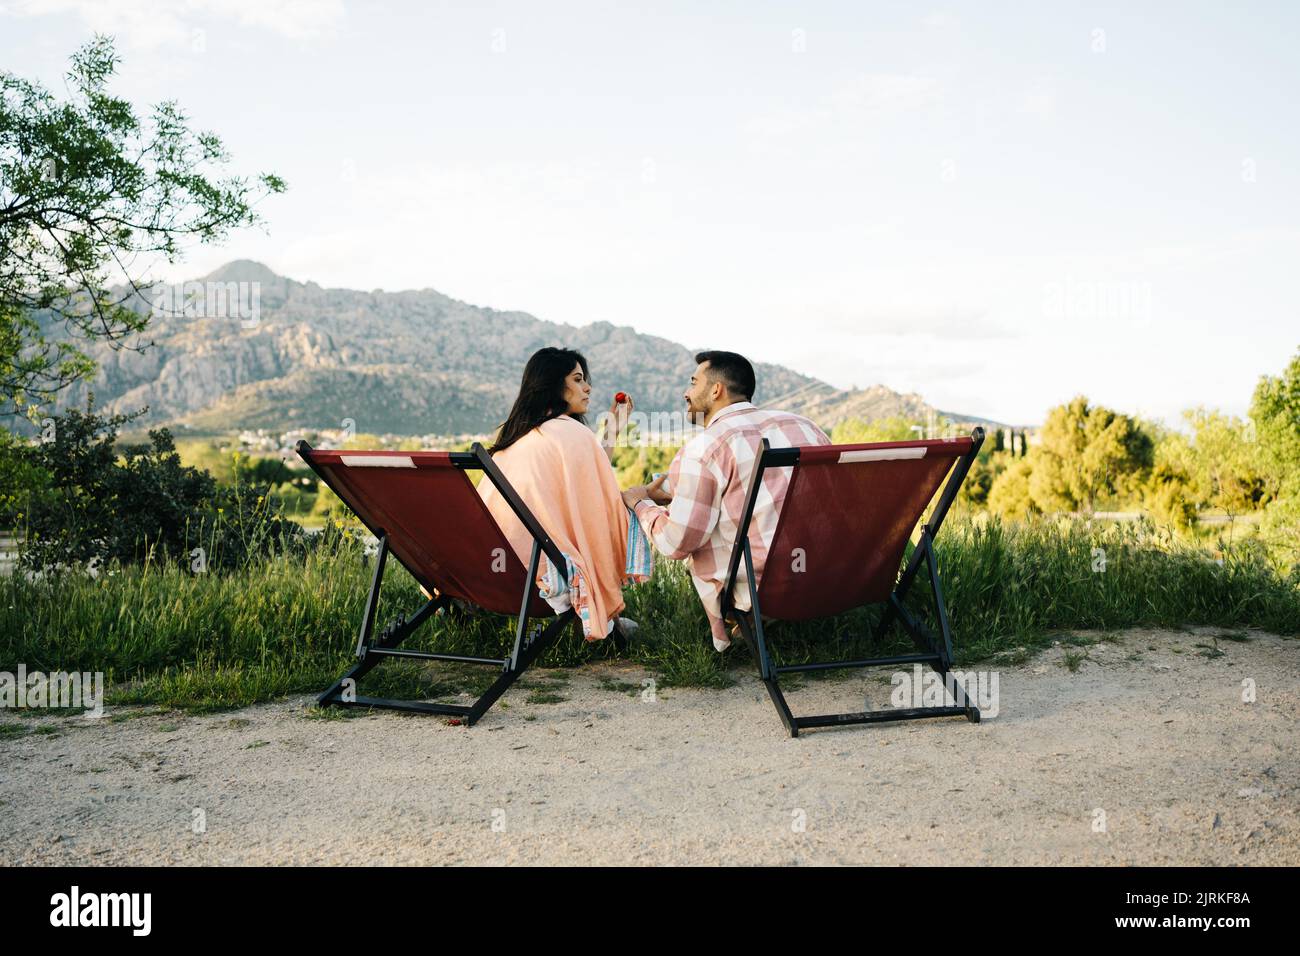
[851, 510]
[423, 508]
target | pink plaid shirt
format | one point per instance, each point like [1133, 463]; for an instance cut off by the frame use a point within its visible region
[709, 479]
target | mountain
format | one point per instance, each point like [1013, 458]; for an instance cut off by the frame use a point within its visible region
[413, 362]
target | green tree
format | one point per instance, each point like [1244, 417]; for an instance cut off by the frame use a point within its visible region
[98, 500]
[88, 505]
[1088, 452]
[1009, 495]
[1229, 466]
[88, 191]
[637, 464]
[1279, 529]
[266, 471]
[984, 471]
[1275, 415]
[17, 474]
[1172, 492]
[853, 431]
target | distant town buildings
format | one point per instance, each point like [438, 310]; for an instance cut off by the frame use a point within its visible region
[284, 444]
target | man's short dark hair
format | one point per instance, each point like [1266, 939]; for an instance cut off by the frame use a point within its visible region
[733, 370]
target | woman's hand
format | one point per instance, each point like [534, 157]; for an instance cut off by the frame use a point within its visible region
[651, 492]
[619, 412]
[615, 423]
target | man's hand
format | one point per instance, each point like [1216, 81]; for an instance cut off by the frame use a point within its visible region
[655, 491]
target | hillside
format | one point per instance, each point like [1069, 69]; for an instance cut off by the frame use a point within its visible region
[409, 362]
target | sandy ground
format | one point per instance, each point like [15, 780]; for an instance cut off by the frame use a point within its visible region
[1158, 740]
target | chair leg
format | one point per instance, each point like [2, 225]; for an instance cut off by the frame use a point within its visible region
[527, 655]
[770, 675]
[387, 644]
[753, 634]
[962, 699]
[389, 638]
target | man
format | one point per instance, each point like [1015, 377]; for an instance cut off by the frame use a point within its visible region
[709, 480]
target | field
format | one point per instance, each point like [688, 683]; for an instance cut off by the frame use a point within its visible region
[165, 636]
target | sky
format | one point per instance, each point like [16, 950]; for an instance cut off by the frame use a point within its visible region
[996, 205]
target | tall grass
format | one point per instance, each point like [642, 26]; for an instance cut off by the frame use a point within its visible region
[1013, 582]
[164, 635]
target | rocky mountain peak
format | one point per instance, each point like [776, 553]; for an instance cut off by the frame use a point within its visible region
[412, 362]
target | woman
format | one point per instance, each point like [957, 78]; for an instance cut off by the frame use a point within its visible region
[563, 472]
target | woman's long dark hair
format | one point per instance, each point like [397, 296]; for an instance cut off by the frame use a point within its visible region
[541, 394]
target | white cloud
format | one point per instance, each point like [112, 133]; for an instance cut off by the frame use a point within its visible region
[940, 20]
[884, 94]
[147, 24]
[912, 320]
[865, 98]
[1039, 100]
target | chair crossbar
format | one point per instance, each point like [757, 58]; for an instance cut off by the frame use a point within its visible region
[935, 650]
[372, 649]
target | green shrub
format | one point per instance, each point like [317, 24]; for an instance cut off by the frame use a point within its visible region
[96, 502]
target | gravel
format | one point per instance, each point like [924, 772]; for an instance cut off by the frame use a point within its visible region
[1139, 756]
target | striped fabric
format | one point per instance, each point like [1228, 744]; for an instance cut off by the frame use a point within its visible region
[640, 555]
[562, 594]
[709, 479]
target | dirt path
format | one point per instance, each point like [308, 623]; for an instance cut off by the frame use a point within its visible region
[1159, 739]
